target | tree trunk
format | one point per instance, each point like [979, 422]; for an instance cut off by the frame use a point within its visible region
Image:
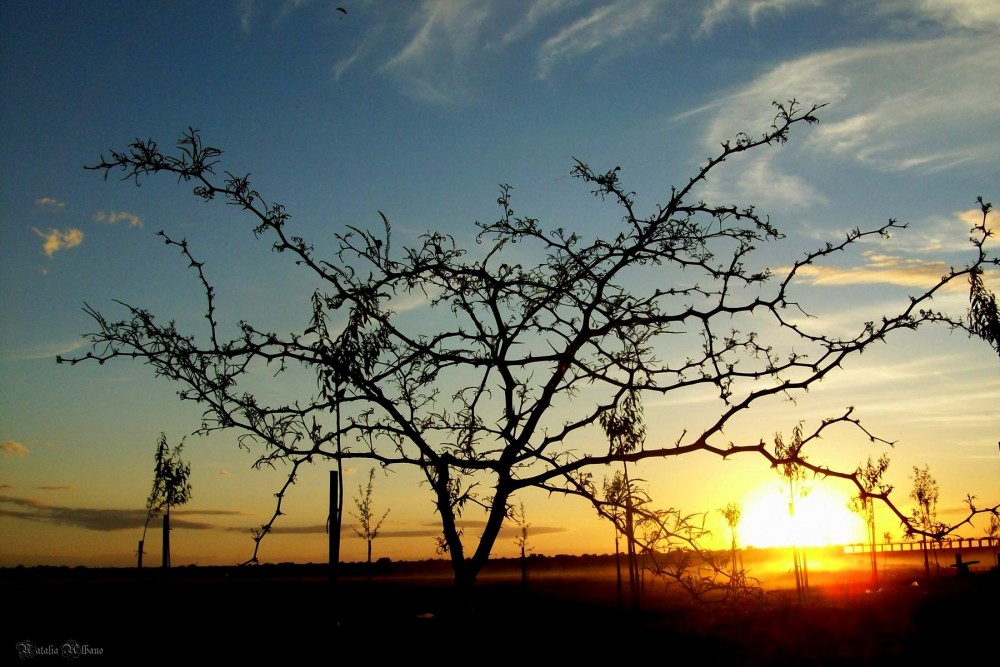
[633, 566]
[927, 562]
[334, 534]
[618, 567]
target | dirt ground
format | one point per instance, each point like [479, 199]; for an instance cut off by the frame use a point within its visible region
[566, 613]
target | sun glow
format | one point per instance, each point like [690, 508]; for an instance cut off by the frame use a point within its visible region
[821, 518]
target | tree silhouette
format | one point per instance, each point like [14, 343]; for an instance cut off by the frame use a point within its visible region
[732, 513]
[369, 525]
[924, 515]
[520, 518]
[626, 433]
[993, 532]
[871, 481]
[794, 472]
[984, 312]
[171, 488]
[622, 498]
[525, 344]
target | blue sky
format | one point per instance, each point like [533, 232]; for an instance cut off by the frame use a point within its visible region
[421, 110]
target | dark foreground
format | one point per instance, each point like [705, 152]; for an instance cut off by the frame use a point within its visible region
[408, 613]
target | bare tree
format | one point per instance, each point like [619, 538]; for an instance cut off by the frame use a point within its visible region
[369, 526]
[171, 488]
[542, 333]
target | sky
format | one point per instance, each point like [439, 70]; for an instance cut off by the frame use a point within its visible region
[421, 110]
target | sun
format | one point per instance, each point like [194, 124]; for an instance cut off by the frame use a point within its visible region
[822, 518]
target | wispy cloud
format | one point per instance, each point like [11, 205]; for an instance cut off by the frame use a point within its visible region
[878, 269]
[49, 202]
[434, 64]
[606, 30]
[54, 488]
[30, 509]
[719, 11]
[247, 11]
[131, 219]
[55, 240]
[767, 184]
[964, 14]
[42, 351]
[13, 448]
[880, 103]
[530, 20]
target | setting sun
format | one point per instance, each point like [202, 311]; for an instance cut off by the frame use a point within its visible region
[821, 518]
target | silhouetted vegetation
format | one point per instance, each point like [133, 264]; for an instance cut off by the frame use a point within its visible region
[171, 488]
[924, 515]
[369, 525]
[871, 481]
[529, 342]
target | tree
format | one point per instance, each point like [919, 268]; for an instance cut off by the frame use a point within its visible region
[993, 531]
[871, 481]
[924, 515]
[731, 513]
[530, 338]
[622, 498]
[794, 472]
[984, 312]
[171, 488]
[369, 525]
[625, 432]
[520, 518]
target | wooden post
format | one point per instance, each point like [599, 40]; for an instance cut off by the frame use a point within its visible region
[334, 524]
[166, 539]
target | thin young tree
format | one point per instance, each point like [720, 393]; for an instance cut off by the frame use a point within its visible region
[924, 514]
[622, 500]
[732, 513]
[519, 516]
[541, 333]
[368, 525]
[614, 491]
[625, 431]
[871, 481]
[993, 532]
[794, 473]
[171, 488]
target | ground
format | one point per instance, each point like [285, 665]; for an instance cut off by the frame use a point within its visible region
[566, 611]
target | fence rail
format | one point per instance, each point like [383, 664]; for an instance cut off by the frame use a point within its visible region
[916, 545]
